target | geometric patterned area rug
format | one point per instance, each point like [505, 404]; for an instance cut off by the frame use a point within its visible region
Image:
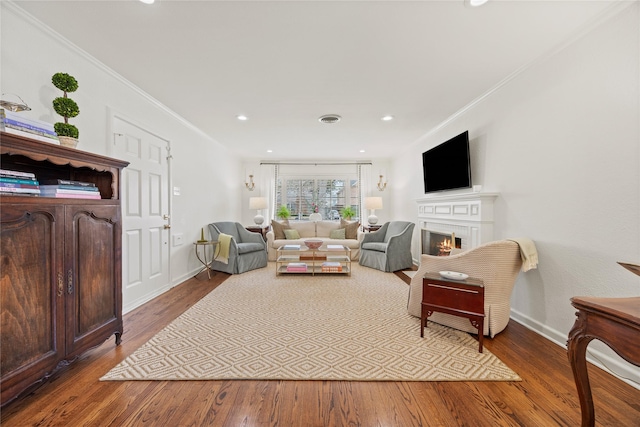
[297, 327]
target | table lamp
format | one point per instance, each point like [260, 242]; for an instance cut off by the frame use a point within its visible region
[373, 203]
[258, 203]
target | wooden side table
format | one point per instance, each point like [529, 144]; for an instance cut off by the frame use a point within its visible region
[206, 260]
[463, 298]
[615, 322]
[259, 229]
[370, 228]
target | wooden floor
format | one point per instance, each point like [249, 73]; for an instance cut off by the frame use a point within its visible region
[545, 397]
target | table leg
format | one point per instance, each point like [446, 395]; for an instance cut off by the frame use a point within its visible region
[576, 350]
[478, 323]
[204, 262]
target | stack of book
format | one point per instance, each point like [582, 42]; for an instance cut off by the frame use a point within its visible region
[297, 267]
[18, 183]
[18, 124]
[331, 267]
[64, 188]
[291, 248]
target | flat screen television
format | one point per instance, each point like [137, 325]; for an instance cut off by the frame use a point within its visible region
[447, 166]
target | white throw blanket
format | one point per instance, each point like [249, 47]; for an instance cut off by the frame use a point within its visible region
[528, 253]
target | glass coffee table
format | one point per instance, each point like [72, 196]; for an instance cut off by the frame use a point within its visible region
[328, 259]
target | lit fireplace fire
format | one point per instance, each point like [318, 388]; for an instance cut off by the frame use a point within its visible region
[439, 244]
[444, 247]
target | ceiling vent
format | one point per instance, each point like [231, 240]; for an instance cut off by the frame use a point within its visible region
[330, 118]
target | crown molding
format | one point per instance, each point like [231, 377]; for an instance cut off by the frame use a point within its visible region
[608, 13]
[51, 33]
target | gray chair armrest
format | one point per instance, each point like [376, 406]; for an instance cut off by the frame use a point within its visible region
[377, 236]
[402, 240]
[214, 232]
[247, 236]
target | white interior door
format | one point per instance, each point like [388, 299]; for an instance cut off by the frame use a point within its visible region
[145, 213]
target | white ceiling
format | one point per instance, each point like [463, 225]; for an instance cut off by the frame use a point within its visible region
[286, 63]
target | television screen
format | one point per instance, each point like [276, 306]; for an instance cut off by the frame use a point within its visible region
[447, 166]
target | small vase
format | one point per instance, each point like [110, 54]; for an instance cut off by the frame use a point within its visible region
[68, 141]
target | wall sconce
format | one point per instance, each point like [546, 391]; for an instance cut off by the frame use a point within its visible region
[13, 106]
[250, 185]
[381, 185]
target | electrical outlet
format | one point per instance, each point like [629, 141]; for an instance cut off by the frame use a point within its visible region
[177, 239]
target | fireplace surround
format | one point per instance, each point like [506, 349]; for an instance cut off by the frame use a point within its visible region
[464, 219]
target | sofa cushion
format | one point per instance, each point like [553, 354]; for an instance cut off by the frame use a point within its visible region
[291, 234]
[324, 228]
[305, 228]
[350, 228]
[278, 228]
[337, 234]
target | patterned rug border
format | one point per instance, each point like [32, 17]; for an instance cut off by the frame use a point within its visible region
[207, 343]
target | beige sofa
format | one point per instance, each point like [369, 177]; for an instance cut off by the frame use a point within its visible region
[314, 230]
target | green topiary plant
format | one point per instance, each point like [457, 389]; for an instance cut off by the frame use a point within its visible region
[283, 212]
[347, 213]
[64, 106]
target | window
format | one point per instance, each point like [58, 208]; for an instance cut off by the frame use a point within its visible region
[327, 196]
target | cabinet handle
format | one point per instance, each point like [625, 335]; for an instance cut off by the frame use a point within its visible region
[449, 288]
[60, 285]
[70, 282]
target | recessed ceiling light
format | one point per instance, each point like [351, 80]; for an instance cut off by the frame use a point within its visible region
[387, 118]
[147, 1]
[362, 151]
[269, 151]
[476, 3]
[242, 117]
[329, 118]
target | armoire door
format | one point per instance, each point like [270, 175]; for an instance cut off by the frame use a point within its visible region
[93, 273]
[31, 287]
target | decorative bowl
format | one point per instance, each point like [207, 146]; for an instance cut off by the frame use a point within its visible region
[452, 275]
[313, 243]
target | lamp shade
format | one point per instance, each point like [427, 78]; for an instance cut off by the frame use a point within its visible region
[257, 202]
[373, 202]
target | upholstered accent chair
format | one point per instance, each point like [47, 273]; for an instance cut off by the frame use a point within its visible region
[496, 263]
[389, 248]
[247, 250]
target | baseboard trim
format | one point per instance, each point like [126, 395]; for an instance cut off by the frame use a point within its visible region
[615, 366]
[151, 295]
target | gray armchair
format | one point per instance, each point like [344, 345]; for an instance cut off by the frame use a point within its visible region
[389, 248]
[247, 250]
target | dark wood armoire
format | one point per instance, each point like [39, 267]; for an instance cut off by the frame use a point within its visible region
[60, 263]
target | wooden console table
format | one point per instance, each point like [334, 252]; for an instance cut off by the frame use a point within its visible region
[615, 322]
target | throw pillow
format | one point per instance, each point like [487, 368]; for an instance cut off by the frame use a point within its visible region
[337, 234]
[278, 229]
[291, 234]
[350, 228]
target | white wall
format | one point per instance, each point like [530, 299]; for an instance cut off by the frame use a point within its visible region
[31, 54]
[560, 142]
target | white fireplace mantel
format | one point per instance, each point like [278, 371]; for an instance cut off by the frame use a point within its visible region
[468, 215]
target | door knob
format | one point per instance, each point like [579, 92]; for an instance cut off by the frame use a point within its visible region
[167, 226]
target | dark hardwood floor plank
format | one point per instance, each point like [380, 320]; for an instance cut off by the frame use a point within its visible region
[546, 396]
